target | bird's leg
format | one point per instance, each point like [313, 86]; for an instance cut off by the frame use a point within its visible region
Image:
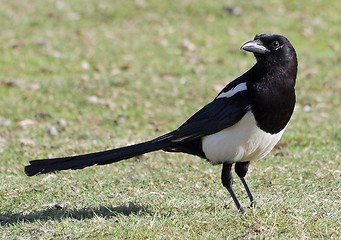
[227, 180]
[241, 170]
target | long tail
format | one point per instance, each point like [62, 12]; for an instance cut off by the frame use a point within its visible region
[97, 158]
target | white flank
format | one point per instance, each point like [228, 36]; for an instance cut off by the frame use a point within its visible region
[241, 142]
[240, 87]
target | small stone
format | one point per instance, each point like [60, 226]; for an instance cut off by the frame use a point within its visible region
[53, 131]
[26, 122]
[40, 41]
[62, 123]
[85, 65]
[93, 99]
[307, 108]
[5, 122]
[188, 45]
[26, 142]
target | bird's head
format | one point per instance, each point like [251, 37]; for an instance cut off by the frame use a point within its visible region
[271, 49]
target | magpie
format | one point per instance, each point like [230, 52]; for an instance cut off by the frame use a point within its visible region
[243, 123]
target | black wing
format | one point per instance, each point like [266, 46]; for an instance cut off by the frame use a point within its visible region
[221, 113]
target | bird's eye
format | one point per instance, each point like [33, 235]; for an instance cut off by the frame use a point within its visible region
[275, 45]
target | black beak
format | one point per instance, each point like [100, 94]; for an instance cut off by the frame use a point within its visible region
[255, 46]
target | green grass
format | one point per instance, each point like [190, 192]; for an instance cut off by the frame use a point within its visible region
[146, 66]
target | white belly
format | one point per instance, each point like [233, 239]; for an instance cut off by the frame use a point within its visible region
[241, 142]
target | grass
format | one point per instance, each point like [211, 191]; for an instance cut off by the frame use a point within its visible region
[84, 76]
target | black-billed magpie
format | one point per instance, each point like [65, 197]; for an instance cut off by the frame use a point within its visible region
[243, 123]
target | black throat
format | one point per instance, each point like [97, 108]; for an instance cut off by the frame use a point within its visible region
[272, 94]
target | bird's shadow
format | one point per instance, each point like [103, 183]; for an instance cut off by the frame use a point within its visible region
[58, 213]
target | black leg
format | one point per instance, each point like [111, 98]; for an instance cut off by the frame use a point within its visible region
[252, 200]
[241, 170]
[227, 180]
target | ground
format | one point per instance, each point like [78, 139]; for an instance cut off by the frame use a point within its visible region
[82, 76]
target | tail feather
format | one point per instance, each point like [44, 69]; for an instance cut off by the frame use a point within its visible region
[97, 158]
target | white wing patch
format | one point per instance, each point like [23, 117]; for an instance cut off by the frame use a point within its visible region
[240, 87]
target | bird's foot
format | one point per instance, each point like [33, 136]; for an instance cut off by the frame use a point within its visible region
[241, 211]
[253, 204]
